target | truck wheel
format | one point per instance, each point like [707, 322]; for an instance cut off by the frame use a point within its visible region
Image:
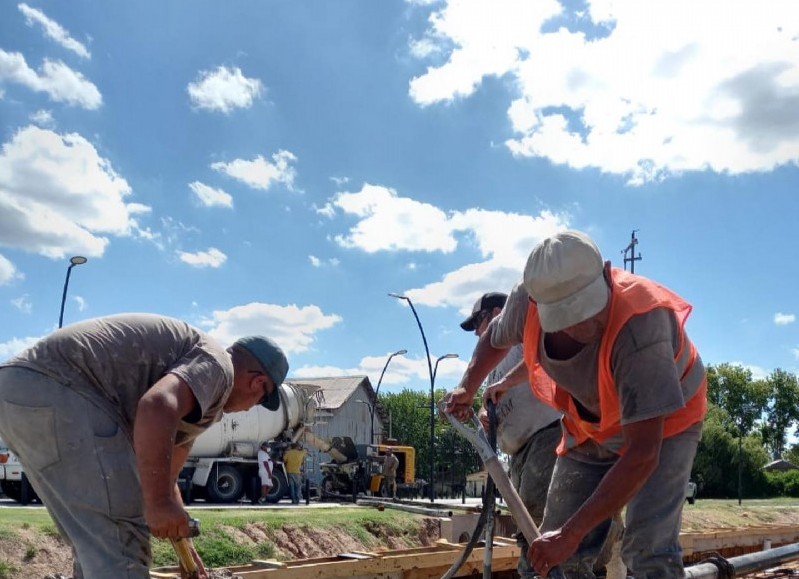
[13, 490]
[225, 484]
[328, 487]
[280, 488]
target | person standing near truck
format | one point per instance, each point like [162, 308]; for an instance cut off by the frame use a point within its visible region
[102, 415]
[390, 466]
[264, 471]
[293, 460]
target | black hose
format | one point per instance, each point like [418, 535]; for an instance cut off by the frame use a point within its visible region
[489, 501]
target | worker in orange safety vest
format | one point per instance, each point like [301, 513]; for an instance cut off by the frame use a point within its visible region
[608, 349]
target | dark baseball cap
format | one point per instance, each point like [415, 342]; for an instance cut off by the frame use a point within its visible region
[487, 302]
[272, 360]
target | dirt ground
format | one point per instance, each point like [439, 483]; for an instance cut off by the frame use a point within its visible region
[35, 555]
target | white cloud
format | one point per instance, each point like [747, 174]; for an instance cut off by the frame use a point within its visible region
[260, 173]
[8, 271]
[14, 346]
[402, 371]
[80, 302]
[292, 327]
[795, 352]
[784, 319]
[224, 90]
[389, 222]
[56, 79]
[53, 30]
[23, 304]
[210, 258]
[758, 372]
[43, 118]
[632, 88]
[59, 196]
[317, 262]
[209, 196]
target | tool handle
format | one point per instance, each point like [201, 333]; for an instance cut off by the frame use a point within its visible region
[183, 551]
[517, 507]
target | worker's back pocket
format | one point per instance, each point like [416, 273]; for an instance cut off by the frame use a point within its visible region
[31, 432]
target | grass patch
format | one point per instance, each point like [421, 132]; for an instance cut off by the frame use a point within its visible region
[7, 570]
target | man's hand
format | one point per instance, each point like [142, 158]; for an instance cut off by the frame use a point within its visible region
[167, 518]
[459, 403]
[494, 392]
[551, 549]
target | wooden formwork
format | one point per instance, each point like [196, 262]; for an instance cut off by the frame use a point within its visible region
[420, 563]
[734, 542]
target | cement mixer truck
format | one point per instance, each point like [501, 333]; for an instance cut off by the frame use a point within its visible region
[222, 465]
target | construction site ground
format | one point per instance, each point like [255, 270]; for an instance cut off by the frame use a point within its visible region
[28, 553]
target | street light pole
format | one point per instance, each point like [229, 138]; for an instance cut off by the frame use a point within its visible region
[73, 261]
[372, 417]
[432, 401]
[432, 395]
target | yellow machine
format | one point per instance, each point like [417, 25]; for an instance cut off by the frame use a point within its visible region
[406, 471]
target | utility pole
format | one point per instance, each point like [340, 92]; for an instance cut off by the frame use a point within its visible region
[631, 250]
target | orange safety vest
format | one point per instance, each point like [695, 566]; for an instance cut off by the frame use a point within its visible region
[630, 295]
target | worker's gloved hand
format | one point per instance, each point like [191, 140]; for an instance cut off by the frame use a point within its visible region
[166, 518]
[458, 403]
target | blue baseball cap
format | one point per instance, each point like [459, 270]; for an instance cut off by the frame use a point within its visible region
[272, 360]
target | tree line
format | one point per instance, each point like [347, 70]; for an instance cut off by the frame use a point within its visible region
[748, 425]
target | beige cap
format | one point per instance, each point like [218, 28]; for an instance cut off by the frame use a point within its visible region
[564, 276]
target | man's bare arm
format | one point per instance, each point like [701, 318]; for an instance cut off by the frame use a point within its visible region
[157, 417]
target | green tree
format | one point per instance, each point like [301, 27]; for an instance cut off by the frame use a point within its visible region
[731, 388]
[782, 411]
[410, 416]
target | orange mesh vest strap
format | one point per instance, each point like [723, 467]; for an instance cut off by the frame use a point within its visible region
[631, 295]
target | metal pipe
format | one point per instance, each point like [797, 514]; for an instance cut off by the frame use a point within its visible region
[744, 564]
[406, 508]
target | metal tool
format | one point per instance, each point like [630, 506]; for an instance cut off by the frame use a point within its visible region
[183, 550]
[477, 436]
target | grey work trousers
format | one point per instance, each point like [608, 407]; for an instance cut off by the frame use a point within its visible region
[530, 472]
[82, 466]
[650, 547]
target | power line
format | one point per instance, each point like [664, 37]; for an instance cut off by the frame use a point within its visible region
[631, 250]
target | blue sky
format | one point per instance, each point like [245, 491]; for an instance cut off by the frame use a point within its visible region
[280, 167]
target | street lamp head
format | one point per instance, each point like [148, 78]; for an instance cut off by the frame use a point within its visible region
[398, 296]
[77, 260]
[400, 352]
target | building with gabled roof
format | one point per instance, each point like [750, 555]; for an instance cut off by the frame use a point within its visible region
[346, 411]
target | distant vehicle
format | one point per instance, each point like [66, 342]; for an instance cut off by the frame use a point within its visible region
[690, 492]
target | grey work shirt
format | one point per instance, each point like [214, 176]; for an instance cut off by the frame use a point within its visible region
[642, 363]
[114, 360]
[519, 413]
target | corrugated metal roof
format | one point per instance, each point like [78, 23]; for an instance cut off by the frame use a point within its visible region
[337, 389]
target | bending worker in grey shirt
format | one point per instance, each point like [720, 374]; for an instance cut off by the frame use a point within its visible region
[609, 349]
[527, 429]
[102, 415]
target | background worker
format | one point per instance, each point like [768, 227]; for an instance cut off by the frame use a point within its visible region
[390, 466]
[264, 471]
[102, 415]
[608, 349]
[293, 459]
[527, 429]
